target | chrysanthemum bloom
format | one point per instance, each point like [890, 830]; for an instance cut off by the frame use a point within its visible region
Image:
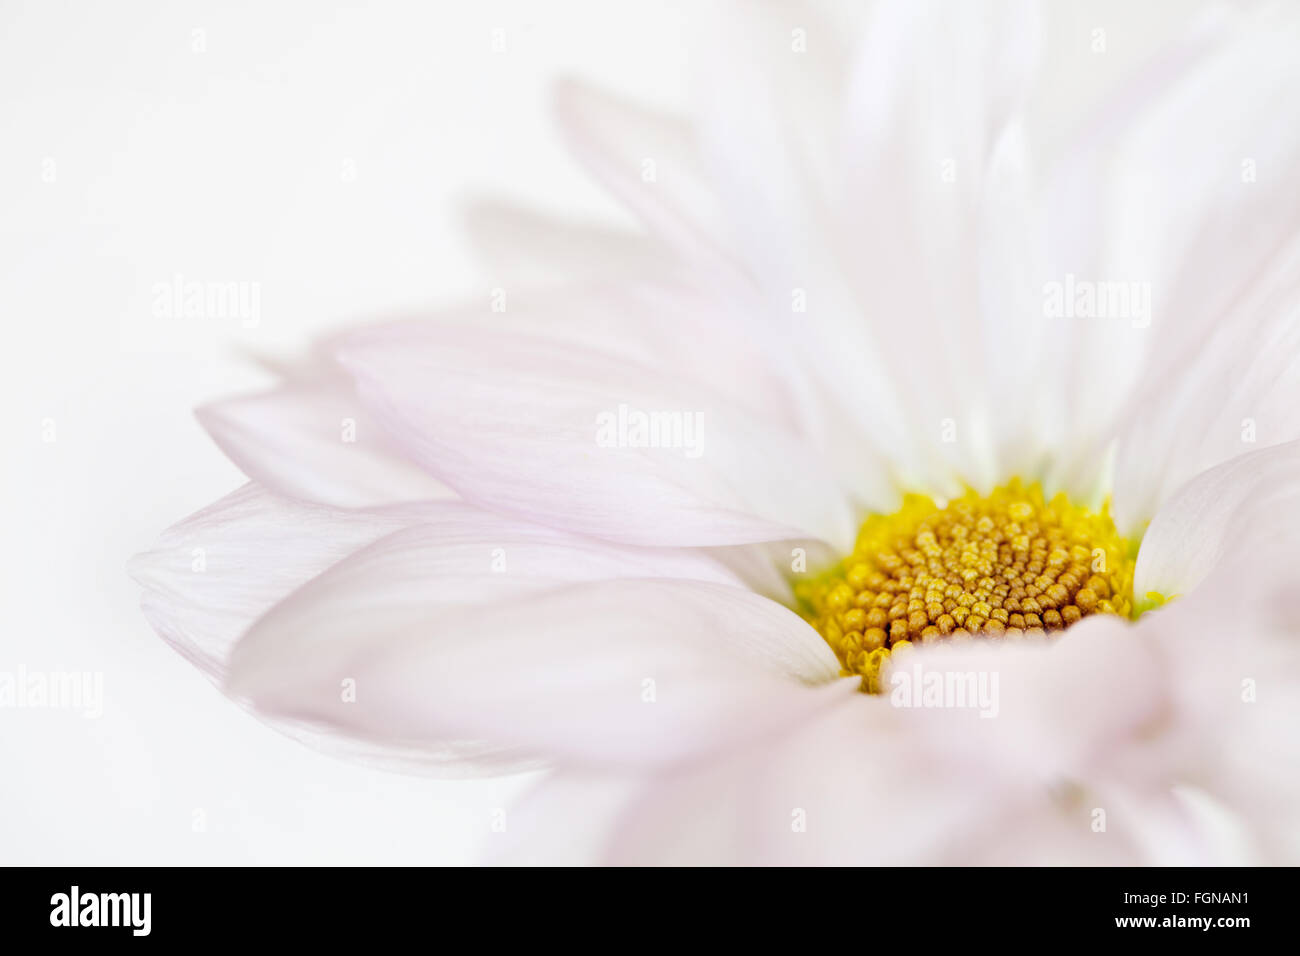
[885, 502]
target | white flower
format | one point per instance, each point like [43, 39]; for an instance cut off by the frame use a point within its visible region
[852, 286]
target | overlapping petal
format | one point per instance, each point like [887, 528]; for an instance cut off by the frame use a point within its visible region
[548, 431]
[314, 440]
[623, 672]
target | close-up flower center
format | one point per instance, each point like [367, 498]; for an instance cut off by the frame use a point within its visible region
[1009, 565]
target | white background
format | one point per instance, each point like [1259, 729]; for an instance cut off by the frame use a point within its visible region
[232, 163]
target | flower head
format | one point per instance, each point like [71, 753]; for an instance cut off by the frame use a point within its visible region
[870, 405]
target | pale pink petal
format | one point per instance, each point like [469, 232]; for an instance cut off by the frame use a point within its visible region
[825, 787]
[1074, 235]
[770, 569]
[933, 151]
[907, 129]
[1233, 656]
[548, 431]
[210, 576]
[780, 173]
[565, 820]
[1238, 393]
[1197, 697]
[848, 788]
[1061, 710]
[1206, 518]
[624, 673]
[1232, 642]
[775, 171]
[652, 162]
[655, 164]
[1074, 767]
[1206, 212]
[661, 317]
[314, 440]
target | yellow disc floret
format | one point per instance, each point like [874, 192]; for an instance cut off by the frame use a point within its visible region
[1009, 565]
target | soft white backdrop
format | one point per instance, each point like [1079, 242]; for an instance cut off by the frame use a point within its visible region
[322, 150]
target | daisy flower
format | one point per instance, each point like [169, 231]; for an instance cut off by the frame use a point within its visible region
[890, 498]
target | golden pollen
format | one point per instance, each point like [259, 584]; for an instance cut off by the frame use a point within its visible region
[1009, 565]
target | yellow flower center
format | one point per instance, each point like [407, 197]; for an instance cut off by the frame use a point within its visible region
[1009, 565]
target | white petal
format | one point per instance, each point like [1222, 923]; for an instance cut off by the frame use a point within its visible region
[936, 165]
[838, 193]
[549, 432]
[651, 161]
[1206, 213]
[565, 820]
[1231, 506]
[870, 781]
[1233, 662]
[848, 788]
[210, 576]
[777, 172]
[627, 672]
[1239, 391]
[1075, 235]
[315, 441]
